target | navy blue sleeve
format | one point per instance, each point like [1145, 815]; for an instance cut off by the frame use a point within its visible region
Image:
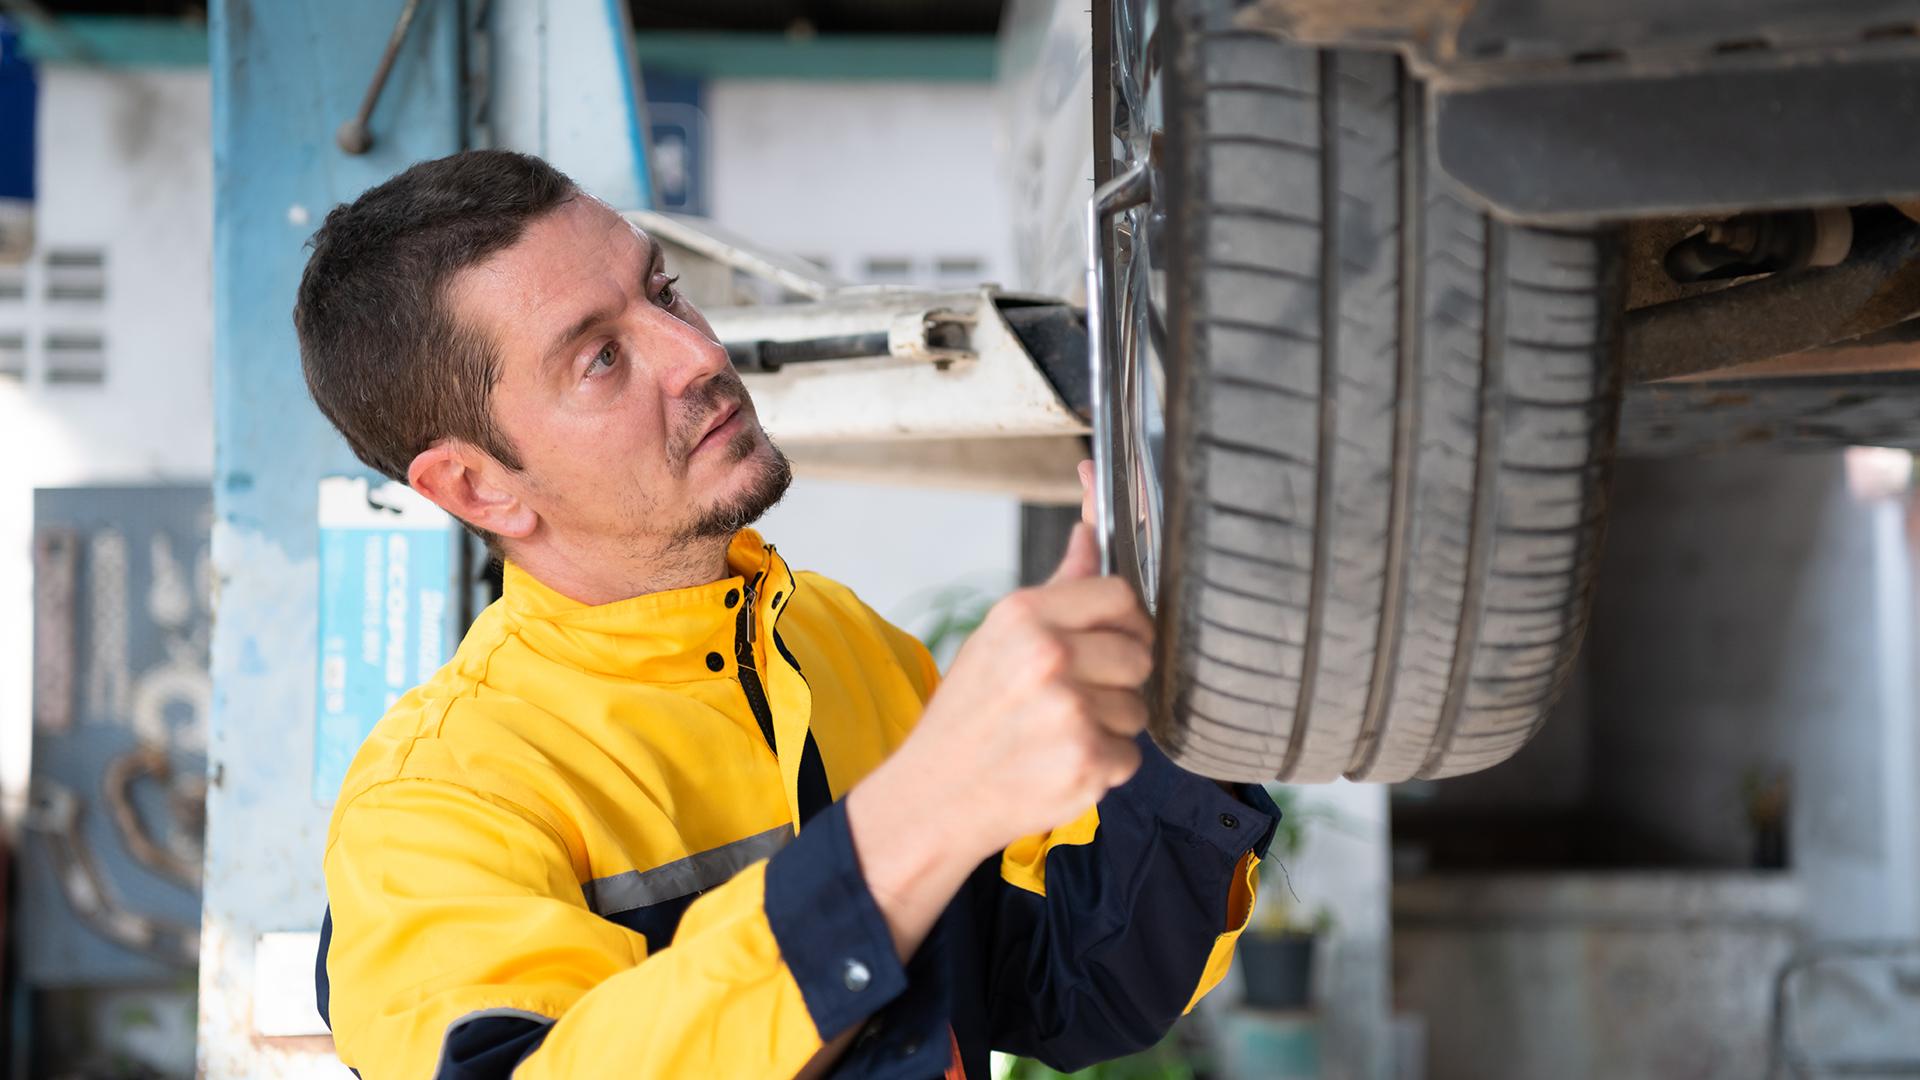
[490, 1045]
[486, 1045]
[831, 933]
[1106, 961]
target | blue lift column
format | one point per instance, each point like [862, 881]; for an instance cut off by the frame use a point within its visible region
[286, 75]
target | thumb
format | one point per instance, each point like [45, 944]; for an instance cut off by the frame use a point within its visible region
[1086, 491]
[1082, 559]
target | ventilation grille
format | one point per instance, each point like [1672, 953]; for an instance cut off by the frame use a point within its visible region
[76, 357]
[77, 276]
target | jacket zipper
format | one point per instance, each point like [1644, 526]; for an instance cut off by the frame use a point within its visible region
[750, 675]
[814, 792]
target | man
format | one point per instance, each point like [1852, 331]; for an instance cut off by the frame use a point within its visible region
[673, 809]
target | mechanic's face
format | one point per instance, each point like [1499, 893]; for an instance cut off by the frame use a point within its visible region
[632, 427]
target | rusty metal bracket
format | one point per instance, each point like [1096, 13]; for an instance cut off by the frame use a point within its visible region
[55, 811]
[181, 859]
[1877, 287]
[56, 570]
[1483, 42]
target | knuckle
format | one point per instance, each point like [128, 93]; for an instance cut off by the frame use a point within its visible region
[1058, 702]
[1072, 719]
[1019, 605]
[1079, 710]
[1049, 655]
[1081, 763]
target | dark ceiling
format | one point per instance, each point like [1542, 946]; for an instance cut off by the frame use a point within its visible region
[775, 16]
[195, 9]
[823, 16]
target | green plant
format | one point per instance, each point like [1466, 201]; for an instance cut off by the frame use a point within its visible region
[1766, 790]
[1278, 910]
[949, 613]
[1166, 1060]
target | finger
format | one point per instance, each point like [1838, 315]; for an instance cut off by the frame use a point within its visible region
[1122, 713]
[1085, 469]
[1108, 658]
[1092, 603]
[1081, 562]
[1120, 759]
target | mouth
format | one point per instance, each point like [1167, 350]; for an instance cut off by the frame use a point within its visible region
[720, 430]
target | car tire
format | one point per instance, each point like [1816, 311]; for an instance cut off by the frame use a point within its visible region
[1389, 420]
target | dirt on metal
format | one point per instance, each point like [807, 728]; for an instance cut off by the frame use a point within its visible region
[1427, 27]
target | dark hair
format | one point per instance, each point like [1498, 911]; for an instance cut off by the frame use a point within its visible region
[383, 355]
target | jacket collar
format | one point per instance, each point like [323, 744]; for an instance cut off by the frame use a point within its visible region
[655, 637]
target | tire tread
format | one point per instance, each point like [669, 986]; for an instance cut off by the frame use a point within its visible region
[1391, 448]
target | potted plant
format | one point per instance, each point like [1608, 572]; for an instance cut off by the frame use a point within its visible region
[1766, 793]
[1276, 950]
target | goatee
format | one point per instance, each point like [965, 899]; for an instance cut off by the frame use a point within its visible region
[772, 475]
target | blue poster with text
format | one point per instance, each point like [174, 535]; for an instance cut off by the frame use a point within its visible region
[385, 574]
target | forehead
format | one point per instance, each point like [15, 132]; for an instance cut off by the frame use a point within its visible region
[569, 262]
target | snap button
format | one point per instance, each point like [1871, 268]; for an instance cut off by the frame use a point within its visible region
[733, 597]
[715, 662]
[855, 975]
[1229, 821]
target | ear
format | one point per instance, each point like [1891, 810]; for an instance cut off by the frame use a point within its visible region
[467, 482]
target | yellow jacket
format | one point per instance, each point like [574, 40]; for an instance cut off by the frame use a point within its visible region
[574, 853]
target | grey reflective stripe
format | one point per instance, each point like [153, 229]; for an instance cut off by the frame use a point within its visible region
[440, 1070]
[615, 893]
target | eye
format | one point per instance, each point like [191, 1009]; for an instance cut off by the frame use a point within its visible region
[667, 296]
[603, 360]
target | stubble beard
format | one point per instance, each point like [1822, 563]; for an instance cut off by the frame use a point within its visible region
[771, 472]
[772, 475]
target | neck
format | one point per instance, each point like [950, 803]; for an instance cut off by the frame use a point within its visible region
[595, 573]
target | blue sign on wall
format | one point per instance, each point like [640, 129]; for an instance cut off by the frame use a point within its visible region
[19, 106]
[19, 97]
[677, 150]
[386, 571]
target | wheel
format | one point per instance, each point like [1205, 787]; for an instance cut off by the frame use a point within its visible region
[1365, 428]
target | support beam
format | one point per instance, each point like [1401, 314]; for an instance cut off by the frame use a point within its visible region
[285, 74]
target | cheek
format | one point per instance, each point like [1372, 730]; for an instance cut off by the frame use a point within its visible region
[622, 445]
[580, 443]
[645, 444]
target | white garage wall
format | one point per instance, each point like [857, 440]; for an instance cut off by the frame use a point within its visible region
[851, 174]
[1758, 612]
[125, 168]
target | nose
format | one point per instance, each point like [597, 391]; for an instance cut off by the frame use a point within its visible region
[684, 356]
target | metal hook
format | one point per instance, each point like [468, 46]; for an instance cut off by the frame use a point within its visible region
[354, 136]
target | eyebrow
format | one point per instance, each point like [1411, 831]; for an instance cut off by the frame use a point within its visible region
[599, 315]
